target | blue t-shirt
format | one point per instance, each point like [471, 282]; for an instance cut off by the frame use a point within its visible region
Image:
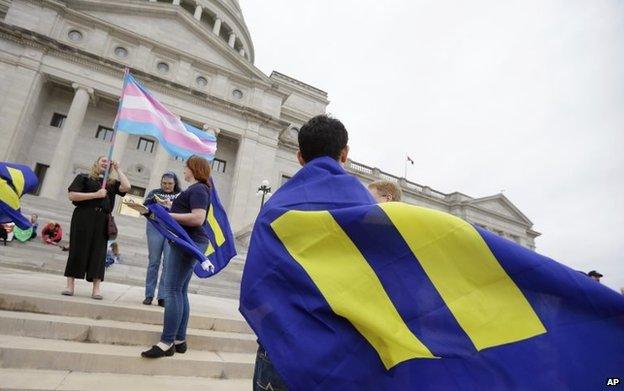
[196, 196]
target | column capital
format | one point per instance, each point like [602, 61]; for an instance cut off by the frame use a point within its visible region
[208, 128]
[89, 90]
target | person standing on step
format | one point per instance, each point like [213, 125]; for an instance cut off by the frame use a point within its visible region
[157, 245]
[189, 209]
[88, 234]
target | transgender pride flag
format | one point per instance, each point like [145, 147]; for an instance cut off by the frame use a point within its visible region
[141, 114]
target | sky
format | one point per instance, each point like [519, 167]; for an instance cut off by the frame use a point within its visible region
[524, 97]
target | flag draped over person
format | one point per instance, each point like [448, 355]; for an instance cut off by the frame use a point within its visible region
[140, 113]
[348, 295]
[221, 248]
[15, 181]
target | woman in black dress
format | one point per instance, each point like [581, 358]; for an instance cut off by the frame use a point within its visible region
[89, 224]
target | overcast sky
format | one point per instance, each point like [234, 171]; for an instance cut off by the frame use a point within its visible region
[522, 96]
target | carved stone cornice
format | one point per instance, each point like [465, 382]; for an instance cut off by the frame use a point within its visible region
[155, 83]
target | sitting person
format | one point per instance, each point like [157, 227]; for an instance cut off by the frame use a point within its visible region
[7, 232]
[35, 225]
[52, 233]
[112, 255]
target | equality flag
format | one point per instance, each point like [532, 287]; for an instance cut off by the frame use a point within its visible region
[140, 113]
[409, 159]
[222, 247]
[345, 294]
[15, 181]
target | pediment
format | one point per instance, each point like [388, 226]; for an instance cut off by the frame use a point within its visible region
[176, 31]
[502, 206]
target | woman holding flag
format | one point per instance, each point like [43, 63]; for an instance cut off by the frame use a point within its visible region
[90, 220]
[189, 209]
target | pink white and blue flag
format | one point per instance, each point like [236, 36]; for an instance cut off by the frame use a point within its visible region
[141, 114]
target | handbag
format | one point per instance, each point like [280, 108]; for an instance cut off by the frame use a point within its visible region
[111, 227]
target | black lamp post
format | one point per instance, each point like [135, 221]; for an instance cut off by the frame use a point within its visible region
[264, 190]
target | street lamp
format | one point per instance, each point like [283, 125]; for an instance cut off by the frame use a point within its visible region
[264, 190]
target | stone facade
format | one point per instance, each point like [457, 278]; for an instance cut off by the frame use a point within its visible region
[61, 67]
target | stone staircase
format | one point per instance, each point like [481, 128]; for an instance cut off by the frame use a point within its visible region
[49, 341]
[34, 255]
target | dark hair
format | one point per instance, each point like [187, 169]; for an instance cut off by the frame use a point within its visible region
[200, 168]
[322, 136]
[176, 183]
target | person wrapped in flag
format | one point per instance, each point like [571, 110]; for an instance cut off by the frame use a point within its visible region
[345, 294]
[15, 181]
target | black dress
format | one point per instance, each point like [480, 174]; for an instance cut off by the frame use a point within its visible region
[88, 234]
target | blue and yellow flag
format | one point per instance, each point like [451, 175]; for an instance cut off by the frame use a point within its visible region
[348, 295]
[15, 181]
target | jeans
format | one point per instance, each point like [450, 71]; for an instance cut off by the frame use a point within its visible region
[265, 375]
[177, 277]
[157, 249]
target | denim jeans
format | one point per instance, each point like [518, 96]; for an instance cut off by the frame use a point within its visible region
[177, 277]
[265, 375]
[157, 249]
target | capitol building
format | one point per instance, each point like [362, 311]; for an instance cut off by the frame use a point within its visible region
[61, 69]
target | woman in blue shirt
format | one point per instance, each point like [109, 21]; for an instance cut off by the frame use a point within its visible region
[189, 209]
[157, 246]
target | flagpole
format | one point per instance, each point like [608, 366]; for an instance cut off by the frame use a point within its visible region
[112, 143]
[405, 172]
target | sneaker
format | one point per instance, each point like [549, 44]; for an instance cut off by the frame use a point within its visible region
[148, 300]
[161, 302]
[156, 352]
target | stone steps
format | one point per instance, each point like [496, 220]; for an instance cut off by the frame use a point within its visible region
[40, 379]
[85, 307]
[39, 353]
[69, 328]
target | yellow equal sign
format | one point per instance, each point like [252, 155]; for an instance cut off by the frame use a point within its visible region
[348, 283]
[486, 302]
[216, 228]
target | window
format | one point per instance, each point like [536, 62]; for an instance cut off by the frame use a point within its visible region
[137, 191]
[237, 94]
[285, 179]
[218, 165]
[40, 172]
[145, 145]
[58, 120]
[104, 133]
[201, 81]
[121, 52]
[162, 67]
[74, 35]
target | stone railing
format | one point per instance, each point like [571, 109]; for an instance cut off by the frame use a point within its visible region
[376, 174]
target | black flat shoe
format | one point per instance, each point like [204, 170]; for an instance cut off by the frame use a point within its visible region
[148, 300]
[156, 352]
[180, 348]
[161, 303]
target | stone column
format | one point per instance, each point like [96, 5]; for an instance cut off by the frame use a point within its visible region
[217, 26]
[159, 166]
[198, 12]
[255, 159]
[232, 39]
[55, 177]
[242, 52]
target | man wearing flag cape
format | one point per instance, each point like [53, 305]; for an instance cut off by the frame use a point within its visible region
[344, 294]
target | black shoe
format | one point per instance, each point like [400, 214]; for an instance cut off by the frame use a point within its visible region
[161, 302]
[156, 352]
[148, 300]
[180, 348]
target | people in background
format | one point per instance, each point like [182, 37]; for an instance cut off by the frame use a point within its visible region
[595, 275]
[113, 255]
[157, 245]
[90, 222]
[51, 233]
[189, 209]
[33, 221]
[385, 191]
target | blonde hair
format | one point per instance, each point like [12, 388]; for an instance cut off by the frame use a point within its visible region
[387, 188]
[95, 172]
